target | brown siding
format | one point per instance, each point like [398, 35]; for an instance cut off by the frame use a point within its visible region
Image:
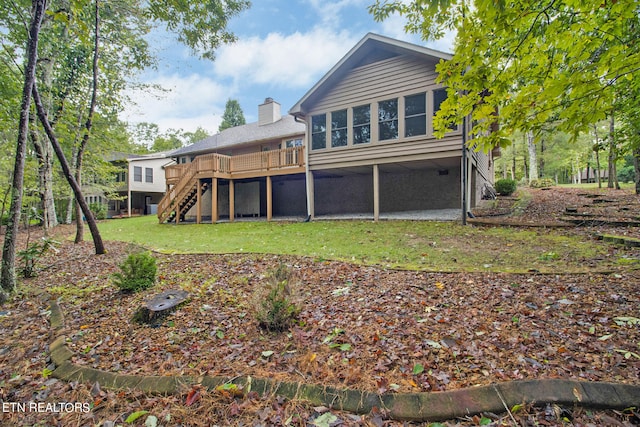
[387, 152]
[388, 78]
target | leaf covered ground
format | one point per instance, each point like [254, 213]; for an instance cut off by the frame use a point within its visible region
[362, 327]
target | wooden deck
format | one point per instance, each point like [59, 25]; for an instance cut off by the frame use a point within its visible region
[183, 181]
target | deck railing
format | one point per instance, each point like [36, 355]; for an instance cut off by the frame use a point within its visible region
[252, 162]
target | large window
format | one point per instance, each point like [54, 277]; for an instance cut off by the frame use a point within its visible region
[137, 174]
[362, 124]
[319, 132]
[388, 119]
[439, 95]
[339, 128]
[148, 174]
[415, 115]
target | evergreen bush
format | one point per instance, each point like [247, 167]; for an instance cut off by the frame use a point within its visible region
[138, 272]
[505, 187]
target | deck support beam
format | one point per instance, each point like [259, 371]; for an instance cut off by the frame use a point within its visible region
[232, 201]
[376, 192]
[214, 200]
[269, 198]
[199, 202]
[310, 195]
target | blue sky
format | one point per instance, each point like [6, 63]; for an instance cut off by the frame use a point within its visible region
[284, 47]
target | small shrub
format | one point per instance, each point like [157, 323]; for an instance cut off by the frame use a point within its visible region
[542, 183]
[505, 187]
[99, 210]
[274, 306]
[32, 254]
[138, 272]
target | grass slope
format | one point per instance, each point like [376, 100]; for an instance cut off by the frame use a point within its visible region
[431, 246]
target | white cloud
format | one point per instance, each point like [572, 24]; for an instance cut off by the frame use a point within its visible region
[294, 61]
[186, 103]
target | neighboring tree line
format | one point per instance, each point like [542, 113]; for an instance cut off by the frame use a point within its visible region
[64, 66]
[558, 158]
[541, 68]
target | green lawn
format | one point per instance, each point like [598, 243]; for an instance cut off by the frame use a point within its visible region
[592, 185]
[434, 246]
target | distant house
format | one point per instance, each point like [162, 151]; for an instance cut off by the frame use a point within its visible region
[141, 184]
[359, 142]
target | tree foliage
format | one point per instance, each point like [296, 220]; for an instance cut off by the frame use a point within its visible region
[560, 61]
[200, 25]
[232, 116]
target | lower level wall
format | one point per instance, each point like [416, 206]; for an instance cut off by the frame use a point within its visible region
[422, 189]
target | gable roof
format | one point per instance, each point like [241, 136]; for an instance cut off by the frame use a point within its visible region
[239, 135]
[372, 48]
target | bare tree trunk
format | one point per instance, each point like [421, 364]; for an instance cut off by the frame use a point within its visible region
[636, 167]
[613, 178]
[533, 157]
[8, 274]
[513, 163]
[89, 123]
[75, 186]
[598, 168]
[44, 153]
[542, 164]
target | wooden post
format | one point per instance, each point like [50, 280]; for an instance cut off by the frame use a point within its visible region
[269, 198]
[214, 200]
[199, 202]
[376, 193]
[310, 194]
[232, 197]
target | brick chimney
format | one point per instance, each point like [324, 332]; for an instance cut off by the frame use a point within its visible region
[269, 112]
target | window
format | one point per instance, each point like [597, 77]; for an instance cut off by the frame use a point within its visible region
[293, 143]
[388, 119]
[362, 124]
[339, 128]
[137, 174]
[148, 174]
[121, 177]
[319, 132]
[439, 95]
[415, 115]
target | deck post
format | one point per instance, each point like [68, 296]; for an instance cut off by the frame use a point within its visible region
[376, 192]
[232, 201]
[269, 198]
[214, 200]
[199, 202]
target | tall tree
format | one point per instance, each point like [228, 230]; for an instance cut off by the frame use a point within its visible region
[232, 116]
[87, 127]
[8, 277]
[533, 157]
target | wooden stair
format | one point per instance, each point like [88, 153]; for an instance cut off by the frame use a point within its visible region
[181, 197]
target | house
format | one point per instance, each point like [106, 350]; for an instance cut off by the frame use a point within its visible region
[140, 185]
[368, 148]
